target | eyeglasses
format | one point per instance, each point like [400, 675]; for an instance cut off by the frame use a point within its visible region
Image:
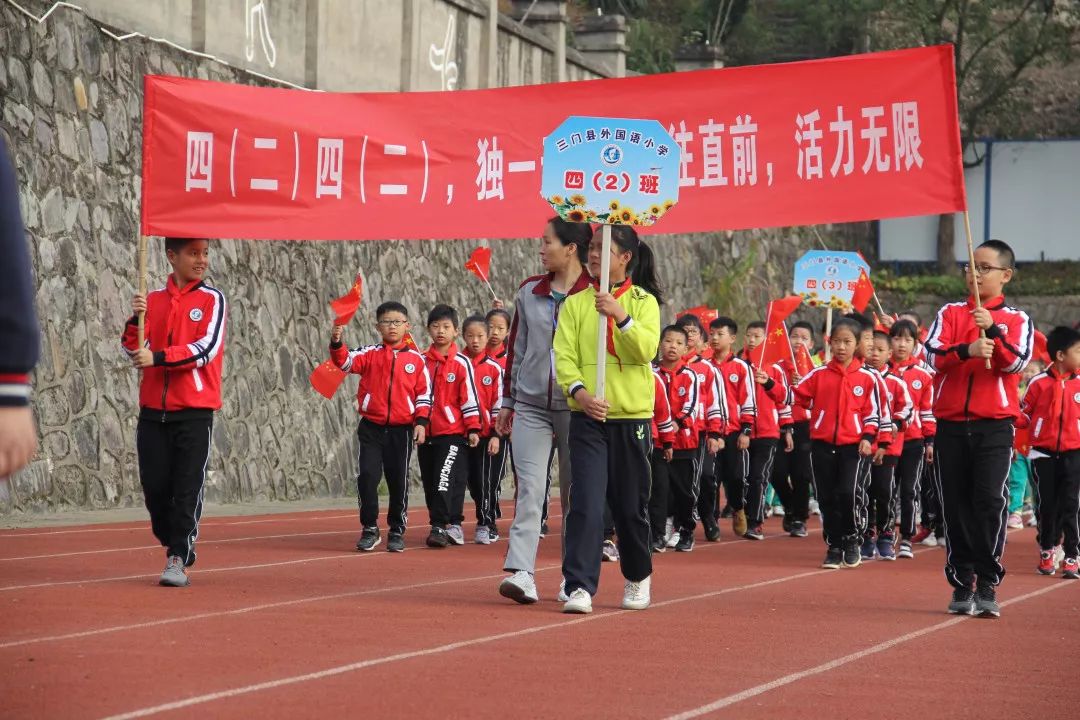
[392, 323]
[983, 269]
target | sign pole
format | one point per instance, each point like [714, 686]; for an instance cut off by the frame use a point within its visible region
[828, 333]
[602, 325]
[142, 289]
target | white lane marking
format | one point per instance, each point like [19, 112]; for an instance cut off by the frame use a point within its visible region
[846, 659]
[438, 650]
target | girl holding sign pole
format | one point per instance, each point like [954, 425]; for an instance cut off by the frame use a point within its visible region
[610, 433]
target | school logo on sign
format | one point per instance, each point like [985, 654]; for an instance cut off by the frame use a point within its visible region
[858, 390]
[195, 315]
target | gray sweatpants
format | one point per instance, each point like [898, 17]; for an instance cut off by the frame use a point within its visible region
[531, 439]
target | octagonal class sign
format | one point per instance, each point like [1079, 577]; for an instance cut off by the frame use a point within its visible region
[613, 171]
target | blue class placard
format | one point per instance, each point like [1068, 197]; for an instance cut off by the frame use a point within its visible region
[827, 278]
[614, 171]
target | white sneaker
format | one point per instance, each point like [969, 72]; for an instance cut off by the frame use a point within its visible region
[930, 541]
[636, 594]
[483, 535]
[580, 603]
[456, 534]
[671, 538]
[778, 510]
[1059, 556]
[563, 597]
[815, 508]
[519, 587]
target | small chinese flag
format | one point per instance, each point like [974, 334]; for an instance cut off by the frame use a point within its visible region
[864, 291]
[880, 326]
[326, 379]
[479, 263]
[347, 305]
[803, 362]
[776, 347]
[1039, 351]
[704, 314]
[410, 342]
[1022, 441]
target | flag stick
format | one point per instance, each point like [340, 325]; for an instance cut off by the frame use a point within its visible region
[768, 316]
[971, 269]
[142, 289]
[491, 290]
[828, 333]
[878, 303]
[601, 335]
[794, 365]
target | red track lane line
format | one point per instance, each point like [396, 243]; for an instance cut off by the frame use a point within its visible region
[441, 649]
[846, 659]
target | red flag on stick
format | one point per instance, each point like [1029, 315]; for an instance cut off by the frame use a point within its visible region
[347, 305]
[1038, 350]
[777, 346]
[864, 292]
[705, 314]
[326, 379]
[410, 342]
[803, 362]
[479, 264]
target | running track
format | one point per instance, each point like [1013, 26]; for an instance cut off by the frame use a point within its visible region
[285, 620]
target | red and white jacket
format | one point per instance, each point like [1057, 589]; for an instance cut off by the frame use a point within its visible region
[1051, 411]
[964, 388]
[740, 395]
[798, 414]
[663, 427]
[395, 388]
[773, 408]
[455, 409]
[900, 410]
[185, 329]
[845, 403]
[711, 413]
[499, 356]
[488, 375]
[920, 385]
[682, 388]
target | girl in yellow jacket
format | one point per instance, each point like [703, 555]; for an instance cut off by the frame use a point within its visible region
[610, 439]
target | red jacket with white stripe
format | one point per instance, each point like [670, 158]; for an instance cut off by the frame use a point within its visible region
[920, 385]
[773, 408]
[488, 375]
[185, 329]
[681, 387]
[454, 406]
[844, 403]
[1051, 409]
[964, 388]
[900, 410]
[740, 395]
[663, 427]
[395, 388]
[710, 416]
[798, 414]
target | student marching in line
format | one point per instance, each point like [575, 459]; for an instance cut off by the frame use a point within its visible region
[1020, 470]
[454, 426]
[918, 434]
[975, 409]
[878, 537]
[1051, 411]
[178, 394]
[610, 438]
[394, 401]
[487, 374]
[791, 476]
[663, 433]
[733, 462]
[771, 422]
[498, 326]
[534, 410]
[844, 400]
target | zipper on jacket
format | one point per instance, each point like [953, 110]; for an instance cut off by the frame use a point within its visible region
[1061, 420]
[390, 390]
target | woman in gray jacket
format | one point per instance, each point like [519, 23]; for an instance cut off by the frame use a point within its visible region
[534, 408]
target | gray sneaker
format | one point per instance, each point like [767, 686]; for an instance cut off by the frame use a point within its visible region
[986, 604]
[456, 534]
[963, 602]
[610, 551]
[519, 587]
[483, 535]
[174, 575]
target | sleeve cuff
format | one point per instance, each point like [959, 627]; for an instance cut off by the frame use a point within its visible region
[336, 345]
[573, 389]
[769, 384]
[962, 351]
[746, 429]
[715, 436]
[421, 422]
[868, 437]
[928, 441]
[669, 445]
[993, 332]
[159, 357]
[507, 403]
[625, 324]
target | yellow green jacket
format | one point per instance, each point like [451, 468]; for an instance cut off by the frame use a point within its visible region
[629, 389]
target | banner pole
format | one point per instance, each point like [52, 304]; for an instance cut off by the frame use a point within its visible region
[828, 333]
[601, 335]
[142, 289]
[971, 269]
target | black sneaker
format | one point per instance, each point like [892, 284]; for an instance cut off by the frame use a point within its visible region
[438, 538]
[493, 532]
[786, 523]
[395, 542]
[963, 602]
[754, 532]
[369, 539]
[834, 558]
[852, 554]
[659, 546]
[712, 531]
[544, 529]
[798, 529]
[986, 604]
[686, 541]
[726, 513]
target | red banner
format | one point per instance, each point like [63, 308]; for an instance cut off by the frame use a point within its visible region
[845, 139]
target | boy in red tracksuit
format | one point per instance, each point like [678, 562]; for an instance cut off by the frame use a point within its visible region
[488, 375]
[663, 433]
[741, 398]
[791, 476]
[697, 358]
[772, 420]
[394, 401]
[845, 401]
[179, 392]
[454, 426]
[1051, 411]
[976, 407]
[917, 438]
[878, 534]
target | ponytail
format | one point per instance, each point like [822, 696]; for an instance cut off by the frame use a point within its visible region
[642, 267]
